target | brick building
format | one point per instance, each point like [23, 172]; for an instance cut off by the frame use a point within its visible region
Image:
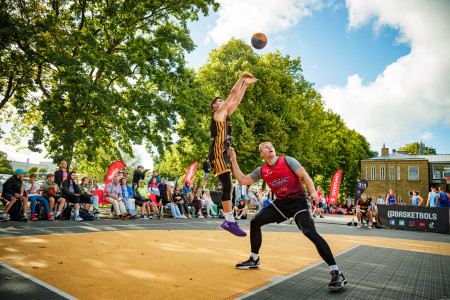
[404, 173]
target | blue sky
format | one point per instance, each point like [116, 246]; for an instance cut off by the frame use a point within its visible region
[364, 57]
[382, 65]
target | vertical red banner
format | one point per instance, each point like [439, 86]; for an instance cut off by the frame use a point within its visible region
[334, 190]
[190, 173]
[113, 171]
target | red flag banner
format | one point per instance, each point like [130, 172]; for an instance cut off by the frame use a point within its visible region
[190, 173]
[113, 171]
[334, 190]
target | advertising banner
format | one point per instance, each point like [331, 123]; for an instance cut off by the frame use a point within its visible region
[113, 171]
[190, 173]
[434, 219]
[334, 189]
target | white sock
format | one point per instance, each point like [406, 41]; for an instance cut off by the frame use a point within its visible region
[334, 268]
[370, 223]
[77, 213]
[229, 217]
[254, 256]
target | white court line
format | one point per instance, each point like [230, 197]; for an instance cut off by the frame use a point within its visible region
[277, 279]
[35, 280]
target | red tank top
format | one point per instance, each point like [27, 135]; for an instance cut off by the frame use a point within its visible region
[283, 182]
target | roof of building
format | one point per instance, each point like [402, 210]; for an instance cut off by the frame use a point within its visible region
[433, 158]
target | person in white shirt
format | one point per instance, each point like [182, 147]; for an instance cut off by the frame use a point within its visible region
[33, 195]
[208, 203]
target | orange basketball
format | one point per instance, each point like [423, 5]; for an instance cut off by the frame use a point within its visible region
[259, 40]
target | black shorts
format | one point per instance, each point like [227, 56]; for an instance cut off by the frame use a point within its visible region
[288, 209]
[85, 198]
[139, 202]
[56, 197]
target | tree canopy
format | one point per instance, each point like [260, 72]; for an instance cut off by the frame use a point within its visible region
[5, 164]
[89, 74]
[414, 148]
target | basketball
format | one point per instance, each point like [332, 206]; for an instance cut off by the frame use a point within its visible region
[259, 41]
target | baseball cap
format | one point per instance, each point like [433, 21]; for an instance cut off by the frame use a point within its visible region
[20, 171]
[140, 167]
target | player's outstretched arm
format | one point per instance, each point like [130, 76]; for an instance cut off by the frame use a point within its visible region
[240, 94]
[313, 197]
[222, 111]
[241, 178]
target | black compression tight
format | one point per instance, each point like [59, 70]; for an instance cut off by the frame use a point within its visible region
[304, 222]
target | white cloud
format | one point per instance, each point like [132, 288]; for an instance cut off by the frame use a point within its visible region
[241, 19]
[427, 136]
[413, 92]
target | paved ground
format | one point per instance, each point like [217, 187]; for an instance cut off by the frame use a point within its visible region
[379, 263]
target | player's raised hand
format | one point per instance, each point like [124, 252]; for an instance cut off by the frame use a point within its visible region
[232, 155]
[249, 81]
[247, 75]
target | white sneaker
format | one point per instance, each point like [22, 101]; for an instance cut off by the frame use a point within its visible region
[201, 217]
[79, 219]
[238, 217]
[209, 216]
[183, 217]
[150, 217]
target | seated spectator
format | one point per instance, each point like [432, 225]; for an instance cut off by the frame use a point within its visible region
[181, 202]
[153, 189]
[143, 191]
[340, 210]
[330, 208]
[162, 187]
[87, 196]
[254, 200]
[240, 210]
[95, 185]
[127, 198]
[187, 193]
[1, 191]
[208, 203]
[61, 174]
[12, 192]
[154, 175]
[71, 192]
[169, 201]
[266, 200]
[114, 196]
[52, 192]
[139, 200]
[33, 195]
[363, 210]
[197, 202]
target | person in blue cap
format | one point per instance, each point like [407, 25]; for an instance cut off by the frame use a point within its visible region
[11, 192]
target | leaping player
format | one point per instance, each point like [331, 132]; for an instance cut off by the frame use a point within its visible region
[221, 134]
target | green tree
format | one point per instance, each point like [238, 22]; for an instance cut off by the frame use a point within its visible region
[414, 149]
[282, 108]
[33, 169]
[5, 164]
[107, 72]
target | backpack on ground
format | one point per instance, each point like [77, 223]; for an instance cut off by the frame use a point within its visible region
[66, 212]
[86, 216]
[15, 211]
[40, 212]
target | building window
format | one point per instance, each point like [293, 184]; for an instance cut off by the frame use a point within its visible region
[391, 173]
[411, 193]
[398, 173]
[382, 173]
[373, 173]
[413, 173]
[367, 173]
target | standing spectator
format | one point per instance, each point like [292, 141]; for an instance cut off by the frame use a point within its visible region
[52, 192]
[127, 198]
[390, 198]
[168, 201]
[318, 204]
[206, 170]
[380, 200]
[87, 196]
[143, 191]
[12, 193]
[95, 184]
[180, 200]
[442, 198]
[71, 192]
[154, 175]
[114, 196]
[208, 203]
[125, 175]
[432, 196]
[32, 190]
[162, 187]
[416, 199]
[138, 175]
[139, 200]
[62, 173]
